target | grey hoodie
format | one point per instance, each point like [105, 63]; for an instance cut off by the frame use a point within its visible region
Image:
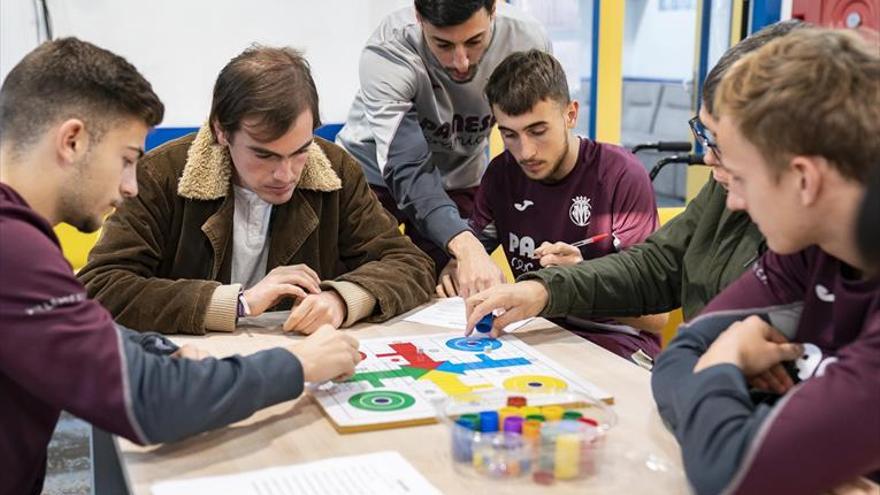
[416, 131]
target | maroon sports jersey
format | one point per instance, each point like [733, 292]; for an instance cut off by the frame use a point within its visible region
[608, 191]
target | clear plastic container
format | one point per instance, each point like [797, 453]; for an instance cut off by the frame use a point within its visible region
[553, 437]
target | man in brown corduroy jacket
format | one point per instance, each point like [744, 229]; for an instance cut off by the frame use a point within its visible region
[254, 212]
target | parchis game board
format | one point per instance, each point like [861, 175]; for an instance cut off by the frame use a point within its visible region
[399, 379]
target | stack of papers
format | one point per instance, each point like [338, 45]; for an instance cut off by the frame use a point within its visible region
[379, 473]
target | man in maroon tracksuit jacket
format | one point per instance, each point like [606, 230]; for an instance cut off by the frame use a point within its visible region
[73, 118]
[798, 133]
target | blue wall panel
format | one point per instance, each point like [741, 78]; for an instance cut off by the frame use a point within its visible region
[160, 135]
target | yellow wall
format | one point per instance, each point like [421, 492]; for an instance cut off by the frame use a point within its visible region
[609, 80]
[75, 244]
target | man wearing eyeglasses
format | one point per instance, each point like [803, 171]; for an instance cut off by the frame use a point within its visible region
[684, 264]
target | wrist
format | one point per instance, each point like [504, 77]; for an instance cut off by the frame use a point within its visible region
[539, 292]
[464, 244]
[717, 355]
[340, 307]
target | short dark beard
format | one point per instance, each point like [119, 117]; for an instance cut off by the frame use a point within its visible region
[71, 209]
[549, 179]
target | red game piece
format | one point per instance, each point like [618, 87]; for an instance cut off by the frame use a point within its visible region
[517, 401]
[589, 421]
[543, 477]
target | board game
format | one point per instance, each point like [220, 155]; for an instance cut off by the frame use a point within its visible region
[399, 380]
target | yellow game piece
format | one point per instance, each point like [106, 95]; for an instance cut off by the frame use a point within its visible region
[506, 412]
[553, 413]
[568, 456]
[530, 411]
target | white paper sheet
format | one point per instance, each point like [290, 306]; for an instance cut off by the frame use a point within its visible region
[451, 313]
[379, 473]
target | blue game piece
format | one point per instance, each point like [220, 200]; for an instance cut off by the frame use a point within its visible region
[488, 421]
[484, 326]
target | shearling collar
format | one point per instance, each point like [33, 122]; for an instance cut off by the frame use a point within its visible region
[208, 170]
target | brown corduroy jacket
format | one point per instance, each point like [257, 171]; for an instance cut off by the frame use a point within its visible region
[165, 256]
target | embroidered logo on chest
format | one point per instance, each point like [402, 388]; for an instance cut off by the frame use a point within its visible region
[824, 294]
[813, 362]
[522, 206]
[580, 211]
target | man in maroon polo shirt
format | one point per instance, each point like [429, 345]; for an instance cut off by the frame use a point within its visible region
[551, 188]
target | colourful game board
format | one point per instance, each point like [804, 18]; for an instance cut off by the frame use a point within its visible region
[399, 380]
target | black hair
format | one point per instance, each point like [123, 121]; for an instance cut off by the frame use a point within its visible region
[445, 13]
[524, 79]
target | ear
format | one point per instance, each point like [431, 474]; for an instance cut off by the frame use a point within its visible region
[219, 134]
[809, 174]
[571, 114]
[71, 141]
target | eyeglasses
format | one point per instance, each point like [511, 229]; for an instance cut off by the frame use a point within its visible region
[704, 136]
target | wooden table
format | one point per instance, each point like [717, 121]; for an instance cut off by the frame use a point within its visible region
[641, 456]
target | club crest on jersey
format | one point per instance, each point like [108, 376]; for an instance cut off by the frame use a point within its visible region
[580, 211]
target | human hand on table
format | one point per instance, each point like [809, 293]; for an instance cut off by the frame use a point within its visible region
[315, 310]
[754, 347]
[327, 354]
[517, 301]
[296, 281]
[447, 281]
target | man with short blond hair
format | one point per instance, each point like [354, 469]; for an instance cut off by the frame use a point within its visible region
[797, 131]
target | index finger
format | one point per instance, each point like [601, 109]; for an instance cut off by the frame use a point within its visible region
[544, 245]
[774, 335]
[783, 381]
[296, 315]
[478, 312]
[303, 269]
[348, 339]
[311, 273]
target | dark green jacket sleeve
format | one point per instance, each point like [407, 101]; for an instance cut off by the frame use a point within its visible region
[644, 279]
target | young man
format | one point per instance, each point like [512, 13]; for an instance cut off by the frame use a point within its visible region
[809, 301]
[73, 119]
[551, 188]
[250, 210]
[419, 124]
[684, 264]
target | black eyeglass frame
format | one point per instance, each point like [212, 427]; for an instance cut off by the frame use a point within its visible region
[699, 131]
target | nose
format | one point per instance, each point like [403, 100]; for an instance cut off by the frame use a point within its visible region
[460, 59]
[709, 158]
[284, 172]
[128, 188]
[528, 149]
